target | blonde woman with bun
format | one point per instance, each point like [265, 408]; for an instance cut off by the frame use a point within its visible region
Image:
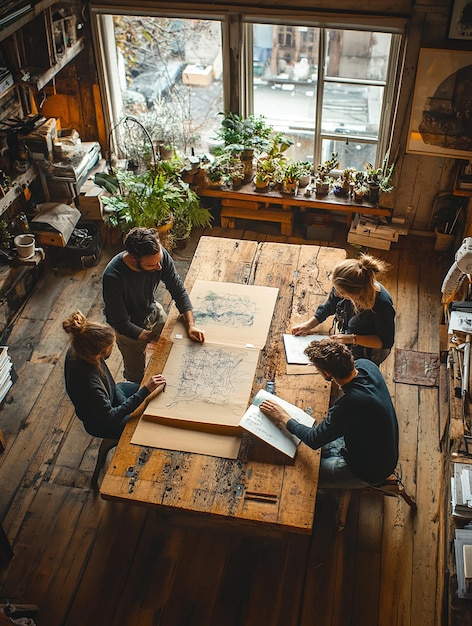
[364, 316]
[102, 405]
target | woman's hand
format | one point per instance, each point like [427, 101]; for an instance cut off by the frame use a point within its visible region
[154, 382]
[305, 328]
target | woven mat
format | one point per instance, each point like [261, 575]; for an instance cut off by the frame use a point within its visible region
[416, 368]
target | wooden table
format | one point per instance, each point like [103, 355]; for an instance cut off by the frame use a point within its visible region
[258, 487]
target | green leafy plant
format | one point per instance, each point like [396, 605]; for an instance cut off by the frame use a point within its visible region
[380, 176]
[153, 198]
[324, 169]
[239, 133]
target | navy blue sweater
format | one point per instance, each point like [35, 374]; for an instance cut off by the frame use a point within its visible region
[364, 415]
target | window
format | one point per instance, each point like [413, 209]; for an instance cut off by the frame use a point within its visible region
[164, 72]
[328, 89]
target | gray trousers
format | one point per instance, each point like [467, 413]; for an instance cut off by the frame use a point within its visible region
[133, 351]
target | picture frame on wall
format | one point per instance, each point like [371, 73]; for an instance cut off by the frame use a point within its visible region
[441, 115]
[460, 25]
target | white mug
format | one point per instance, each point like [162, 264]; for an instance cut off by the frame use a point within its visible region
[25, 245]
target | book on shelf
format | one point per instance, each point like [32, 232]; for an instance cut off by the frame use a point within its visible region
[261, 426]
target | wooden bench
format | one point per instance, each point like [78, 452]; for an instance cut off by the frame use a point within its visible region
[257, 212]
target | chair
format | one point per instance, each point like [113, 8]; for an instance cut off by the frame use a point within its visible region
[391, 486]
[105, 447]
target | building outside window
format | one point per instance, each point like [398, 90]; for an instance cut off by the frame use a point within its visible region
[328, 89]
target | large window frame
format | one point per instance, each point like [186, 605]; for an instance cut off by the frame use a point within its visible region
[238, 66]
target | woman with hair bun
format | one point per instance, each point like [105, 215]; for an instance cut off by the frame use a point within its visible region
[364, 317]
[102, 405]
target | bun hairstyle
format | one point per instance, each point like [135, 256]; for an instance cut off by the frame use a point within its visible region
[356, 278]
[90, 340]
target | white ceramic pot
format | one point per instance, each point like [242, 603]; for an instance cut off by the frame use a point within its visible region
[24, 245]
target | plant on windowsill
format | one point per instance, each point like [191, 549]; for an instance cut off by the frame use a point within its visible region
[247, 136]
[323, 179]
[360, 189]
[343, 186]
[379, 179]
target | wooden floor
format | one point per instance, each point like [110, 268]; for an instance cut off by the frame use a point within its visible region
[85, 561]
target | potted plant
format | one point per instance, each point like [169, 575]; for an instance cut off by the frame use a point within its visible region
[291, 177]
[323, 178]
[379, 179]
[152, 199]
[272, 162]
[305, 173]
[345, 183]
[246, 136]
[360, 189]
[188, 215]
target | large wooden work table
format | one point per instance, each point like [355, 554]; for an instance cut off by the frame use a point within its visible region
[259, 487]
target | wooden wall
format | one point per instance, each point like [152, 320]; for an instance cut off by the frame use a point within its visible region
[417, 178]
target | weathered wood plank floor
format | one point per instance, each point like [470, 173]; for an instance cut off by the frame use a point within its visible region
[85, 561]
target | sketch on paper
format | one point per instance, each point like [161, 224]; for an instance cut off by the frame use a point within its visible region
[224, 309]
[206, 384]
[232, 313]
[209, 375]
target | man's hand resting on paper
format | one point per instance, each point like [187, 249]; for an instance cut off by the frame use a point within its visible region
[196, 334]
[275, 412]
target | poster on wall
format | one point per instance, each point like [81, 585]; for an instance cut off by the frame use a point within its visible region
[460, 26]
[441, 114]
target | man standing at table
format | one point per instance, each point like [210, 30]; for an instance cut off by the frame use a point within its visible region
[130, 281]
[359, 436]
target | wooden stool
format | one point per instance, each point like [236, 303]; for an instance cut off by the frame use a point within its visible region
[391, 486]
[104, 449]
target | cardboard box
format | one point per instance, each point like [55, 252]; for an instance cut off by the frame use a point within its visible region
[200, 75]
[54, 224]
[89, 201]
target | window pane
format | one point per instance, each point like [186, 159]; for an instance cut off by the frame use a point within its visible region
[351, 153]
[285, 62]
[285, 88]
[352, 109]
[357, 54]
[170, 78]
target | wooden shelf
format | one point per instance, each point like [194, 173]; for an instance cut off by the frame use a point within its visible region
[329, 202]
[40, 78]
[38, 8]
[16, 188]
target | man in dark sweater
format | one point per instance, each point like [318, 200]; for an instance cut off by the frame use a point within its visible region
[130, 281]
[359, 436]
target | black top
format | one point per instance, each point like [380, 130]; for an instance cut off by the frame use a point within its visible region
[380, 320]
[93, 393]
[364, 415]
[129, 295]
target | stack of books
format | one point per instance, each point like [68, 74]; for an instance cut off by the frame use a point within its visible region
[6, 380]
[461, 490]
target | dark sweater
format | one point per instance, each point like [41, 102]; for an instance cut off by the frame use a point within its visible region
[129, 295]
[380, 320]
[366, 418]
[93, 393]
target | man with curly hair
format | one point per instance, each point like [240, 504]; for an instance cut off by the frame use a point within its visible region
[359, 436]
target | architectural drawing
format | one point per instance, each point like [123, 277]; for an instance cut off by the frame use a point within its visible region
[228, 309]
[206, 384]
